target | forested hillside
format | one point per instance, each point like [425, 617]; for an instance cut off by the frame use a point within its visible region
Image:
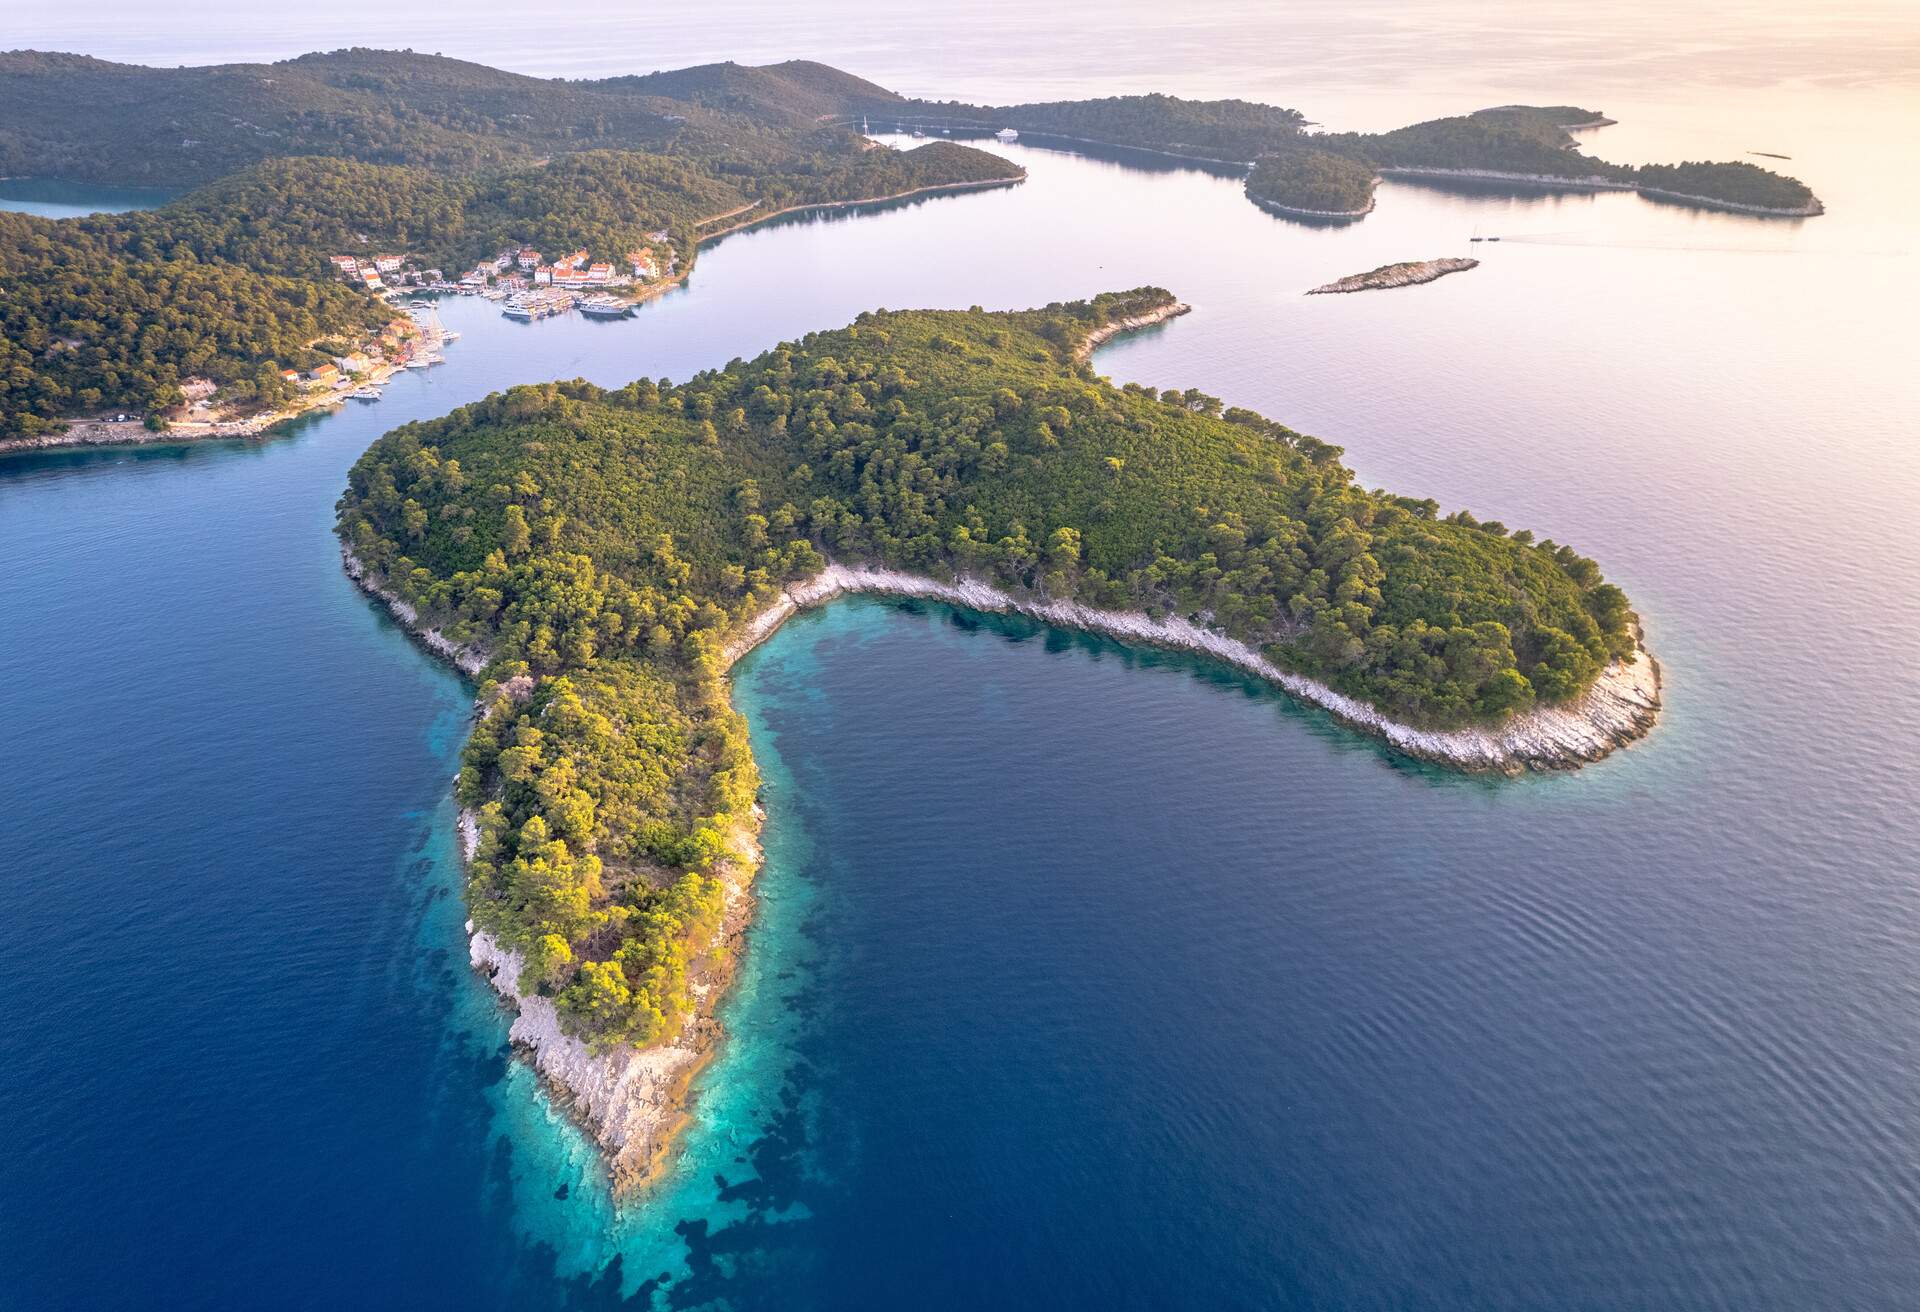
[117, 310]
[71, 116]
[796, 89]
[606, 544]
[88, 319]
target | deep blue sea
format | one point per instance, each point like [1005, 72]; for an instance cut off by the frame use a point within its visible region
[1082, 977]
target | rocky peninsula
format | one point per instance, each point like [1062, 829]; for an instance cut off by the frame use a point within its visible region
[1126, 324]
[610, 783]
[1406, 274]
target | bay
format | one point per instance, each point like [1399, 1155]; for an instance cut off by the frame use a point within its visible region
[1081, 976]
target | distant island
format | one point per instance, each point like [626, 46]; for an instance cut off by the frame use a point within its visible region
[327, 181]
[609, 788]
[1406, 274]
[1330, 174]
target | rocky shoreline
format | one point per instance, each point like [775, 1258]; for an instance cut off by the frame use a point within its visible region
[1299, 211]
[1620, 708]
[633, 1102]
[469, 660]
[1408, 274]
[1108, 331]
[134, 432]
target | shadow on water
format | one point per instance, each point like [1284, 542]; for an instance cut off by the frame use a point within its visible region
[1331, 222]
[1018, 629]
[825, 215]
[1137, 158]
[174, 451]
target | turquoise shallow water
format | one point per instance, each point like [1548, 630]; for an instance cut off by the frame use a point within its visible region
[1082, 977]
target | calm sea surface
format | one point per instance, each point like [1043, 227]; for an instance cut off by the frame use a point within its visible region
[1082, 977]
[66, 200]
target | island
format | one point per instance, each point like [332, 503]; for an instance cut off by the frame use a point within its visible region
[1406, 274]
[1313, 184]
[597, 559]
[1295, 172]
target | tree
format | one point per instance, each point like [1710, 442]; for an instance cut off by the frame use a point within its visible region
[549, 963]
[515, 537]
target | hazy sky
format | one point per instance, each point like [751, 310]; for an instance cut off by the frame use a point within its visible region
[1350, 64]
[996, 48]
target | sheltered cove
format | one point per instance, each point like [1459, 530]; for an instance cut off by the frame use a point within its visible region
[633, 1101]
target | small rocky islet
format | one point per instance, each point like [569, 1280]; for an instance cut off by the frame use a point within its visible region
[1408, 273]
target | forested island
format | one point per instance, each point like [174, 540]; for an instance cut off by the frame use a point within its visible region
[1315, 183]
[1332, 173]
[599, 557]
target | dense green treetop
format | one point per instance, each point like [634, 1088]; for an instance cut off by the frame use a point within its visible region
[608, 543]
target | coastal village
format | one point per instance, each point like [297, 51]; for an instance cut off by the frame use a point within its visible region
[528, 285]
[531, 285]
